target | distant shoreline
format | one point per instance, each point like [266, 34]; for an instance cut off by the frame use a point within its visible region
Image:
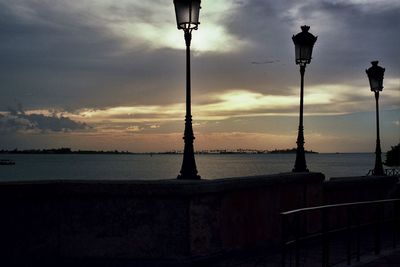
[68, 151]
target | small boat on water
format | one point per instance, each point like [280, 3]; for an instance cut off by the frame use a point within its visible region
[7, 162]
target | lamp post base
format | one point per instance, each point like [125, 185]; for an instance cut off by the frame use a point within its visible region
[300, 164]
[378, 169]
[184, 177]
[189, 169]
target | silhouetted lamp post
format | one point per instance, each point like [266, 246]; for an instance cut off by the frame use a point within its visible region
[187, 19]
[303, 43]
[375, 76]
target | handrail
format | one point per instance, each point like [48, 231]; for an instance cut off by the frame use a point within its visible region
[340, 205]
[388, 172]
[325, 230]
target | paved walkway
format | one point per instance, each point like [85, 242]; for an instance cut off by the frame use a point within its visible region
[385, 260]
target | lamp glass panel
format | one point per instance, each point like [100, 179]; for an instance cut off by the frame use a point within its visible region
[376, 85]
[195, 10]
[306, 53]
[187, 13]
[303, 54]
[297, 53]
[182, 12]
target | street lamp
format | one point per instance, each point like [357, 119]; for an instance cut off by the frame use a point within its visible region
[303, 43]
[375, 76]
[187, 19]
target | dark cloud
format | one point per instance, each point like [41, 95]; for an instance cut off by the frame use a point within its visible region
[350, 36]
[265, 62]
[16, 120]
[72, 60]
[56, 57]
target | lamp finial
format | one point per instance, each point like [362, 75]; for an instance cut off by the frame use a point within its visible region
[305, 28]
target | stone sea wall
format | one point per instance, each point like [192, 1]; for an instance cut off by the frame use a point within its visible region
[169, 221]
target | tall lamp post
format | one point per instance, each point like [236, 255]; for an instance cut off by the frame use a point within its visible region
[375, 76]
[187, 19]
[303, 43]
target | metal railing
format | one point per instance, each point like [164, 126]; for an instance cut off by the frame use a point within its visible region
[313, 223]
[388, 172]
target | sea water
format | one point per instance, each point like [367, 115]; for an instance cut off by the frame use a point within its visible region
[167, 166]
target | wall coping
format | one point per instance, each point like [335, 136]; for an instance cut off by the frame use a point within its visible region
[171, 187]
[360, 180]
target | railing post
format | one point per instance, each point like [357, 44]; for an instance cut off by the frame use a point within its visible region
[396, 222]
[325, 238]
[284, 240]
[393, 223]
[297, 239]
[349, 234]
[358, 223]
[378, 227]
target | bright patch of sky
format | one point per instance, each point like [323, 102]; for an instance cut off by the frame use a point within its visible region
[152, 23]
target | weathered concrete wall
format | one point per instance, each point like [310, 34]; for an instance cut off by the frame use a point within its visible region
[397, 191]
[363, 188]
[164, 221]
[245, 213]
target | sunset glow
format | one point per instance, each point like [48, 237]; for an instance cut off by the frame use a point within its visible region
[111, 75]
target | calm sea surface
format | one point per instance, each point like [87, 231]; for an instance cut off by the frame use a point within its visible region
[146, 167]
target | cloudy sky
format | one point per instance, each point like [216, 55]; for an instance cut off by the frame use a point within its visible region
[103, 74]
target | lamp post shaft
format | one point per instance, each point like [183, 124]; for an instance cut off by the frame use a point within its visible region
[302, 71]
[300, 164]
[188, 170]
[378, 170]
[188, 39]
